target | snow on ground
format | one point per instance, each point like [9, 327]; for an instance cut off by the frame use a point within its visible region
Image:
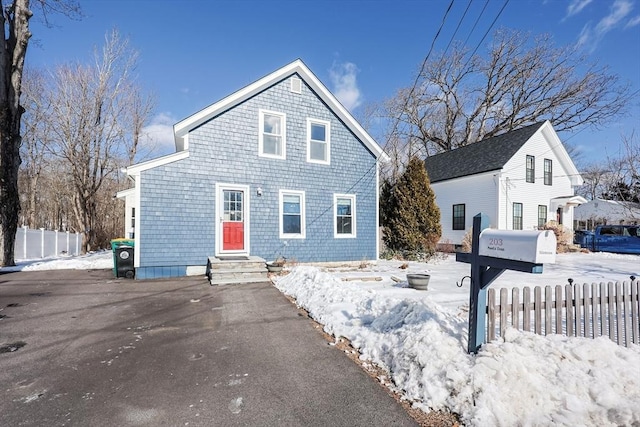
[91, 261]
[420, 337]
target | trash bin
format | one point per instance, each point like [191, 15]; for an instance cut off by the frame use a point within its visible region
[123, 258]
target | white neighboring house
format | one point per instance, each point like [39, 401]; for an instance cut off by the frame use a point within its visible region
[599, 211]
[521, 180]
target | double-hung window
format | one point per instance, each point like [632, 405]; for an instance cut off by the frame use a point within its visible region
[292, 214]
[517, 216]
[531, 169]
[318, 141]
[272, 134]
[542, 215]
[132, 230]
[548, 172]
[458, 217]
[345, 215]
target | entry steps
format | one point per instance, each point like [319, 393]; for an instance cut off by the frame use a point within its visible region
[230, 270]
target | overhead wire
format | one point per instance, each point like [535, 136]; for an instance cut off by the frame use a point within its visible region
[422, 67]
[426, 59]
[476, 23]
[458, 27]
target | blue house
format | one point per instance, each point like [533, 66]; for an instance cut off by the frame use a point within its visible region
[278, 168]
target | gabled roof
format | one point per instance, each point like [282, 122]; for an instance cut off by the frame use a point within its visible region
[182, 128]
[484, 156]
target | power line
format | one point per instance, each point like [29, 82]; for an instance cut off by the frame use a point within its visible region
[422, 67]
[458, 27]
[486, 33]
[476, 23]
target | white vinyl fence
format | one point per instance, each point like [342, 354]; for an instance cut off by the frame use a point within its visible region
[33, 244]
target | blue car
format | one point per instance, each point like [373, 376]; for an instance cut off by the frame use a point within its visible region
[622, 239]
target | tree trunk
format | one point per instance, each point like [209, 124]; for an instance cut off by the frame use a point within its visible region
[9, 197]
[15, 24]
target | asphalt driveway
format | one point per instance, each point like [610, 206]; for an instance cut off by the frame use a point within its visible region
[92, 350]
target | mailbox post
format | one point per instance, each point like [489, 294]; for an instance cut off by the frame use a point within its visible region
[493, 252]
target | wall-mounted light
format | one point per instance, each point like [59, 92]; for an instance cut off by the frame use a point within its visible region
[259, 191]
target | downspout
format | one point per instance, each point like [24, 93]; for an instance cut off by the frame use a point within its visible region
[377, 210]
[506, 203]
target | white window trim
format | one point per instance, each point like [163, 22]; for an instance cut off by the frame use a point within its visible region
[303, 228]
[353, 216]
[327, 125]
[283, 117]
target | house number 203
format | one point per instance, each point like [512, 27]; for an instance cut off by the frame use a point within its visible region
[495, 242]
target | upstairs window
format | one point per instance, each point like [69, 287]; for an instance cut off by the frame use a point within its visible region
[548, 172]
[345, 215]
[458, 217]
[318, 147]
[531, 169]
[272, 136]
[517, 216]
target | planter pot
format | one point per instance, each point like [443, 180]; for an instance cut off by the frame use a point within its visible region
[418, 281]
[274, 268]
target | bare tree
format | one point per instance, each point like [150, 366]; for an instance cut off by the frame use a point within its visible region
[15, 17]
[139, 111]
[616, 178]
[597, 177]
[459, 100]
[36, 135]
[97, 117]
[625, 184]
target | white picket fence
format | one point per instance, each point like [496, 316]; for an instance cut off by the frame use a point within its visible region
[34, 244]
[591, 311]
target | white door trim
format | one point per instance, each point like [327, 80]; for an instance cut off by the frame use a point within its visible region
[219, 209]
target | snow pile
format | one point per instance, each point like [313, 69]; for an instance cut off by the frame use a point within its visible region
[91, 261]
[524, 379]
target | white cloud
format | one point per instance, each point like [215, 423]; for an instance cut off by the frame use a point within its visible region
[633, 22]
[590, 36]
[576, 7]
[619, 10]
[345, 86]
[158, 135]
[585, 36]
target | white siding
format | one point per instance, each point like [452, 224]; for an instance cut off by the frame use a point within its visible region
[494, 193]
[515, 188]
[478, 193]
[129, 203]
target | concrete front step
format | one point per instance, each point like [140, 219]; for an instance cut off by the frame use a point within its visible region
[253, 262]
[227, 280]
[236, 270]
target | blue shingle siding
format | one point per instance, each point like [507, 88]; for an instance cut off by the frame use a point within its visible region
[177, 203]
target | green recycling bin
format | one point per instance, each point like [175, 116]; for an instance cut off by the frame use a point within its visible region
[123, 251]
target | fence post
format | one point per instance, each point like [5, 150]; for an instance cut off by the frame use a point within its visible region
[42, 243]
[77, 244]
[24, 239]
[56, 237]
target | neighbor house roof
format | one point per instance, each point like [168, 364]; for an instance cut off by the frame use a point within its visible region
[484, 156]
[182, 128]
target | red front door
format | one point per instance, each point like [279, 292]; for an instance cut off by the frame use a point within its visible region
[233, 221]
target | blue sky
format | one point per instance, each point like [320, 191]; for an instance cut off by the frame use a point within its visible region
[195, 52]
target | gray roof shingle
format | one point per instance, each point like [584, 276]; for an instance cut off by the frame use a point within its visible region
[483, 156]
